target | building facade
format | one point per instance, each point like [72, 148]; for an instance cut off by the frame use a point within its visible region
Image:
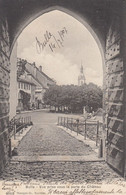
[25, 92]
[38, 80]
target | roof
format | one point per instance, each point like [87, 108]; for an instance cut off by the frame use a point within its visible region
[41, 72]
[25, 81]
[34, 78]
[45, 75]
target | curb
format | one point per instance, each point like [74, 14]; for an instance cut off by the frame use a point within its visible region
[30, 111]
[19, 137]
[88, 141]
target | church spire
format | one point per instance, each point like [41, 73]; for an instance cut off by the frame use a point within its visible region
[81, 77]
[81, 69]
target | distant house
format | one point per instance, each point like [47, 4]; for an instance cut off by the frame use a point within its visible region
[37, 78]
[26, 92]
[39, 75]
[43, 82]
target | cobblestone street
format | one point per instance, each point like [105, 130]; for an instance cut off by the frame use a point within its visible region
[51, 140]
[60, 171]
[46, 139]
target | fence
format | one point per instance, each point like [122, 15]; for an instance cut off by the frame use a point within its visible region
[91, 129]
[18, 124]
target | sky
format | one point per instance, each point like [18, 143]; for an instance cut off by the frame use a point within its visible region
[60, 44]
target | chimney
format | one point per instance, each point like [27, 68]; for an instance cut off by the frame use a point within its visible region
[34, 64]
[40, 68]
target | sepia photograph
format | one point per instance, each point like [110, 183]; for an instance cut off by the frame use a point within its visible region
[62, 97]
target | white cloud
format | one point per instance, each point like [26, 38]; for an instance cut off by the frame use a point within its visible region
[56, 65]
[95, 74]
[63, 65]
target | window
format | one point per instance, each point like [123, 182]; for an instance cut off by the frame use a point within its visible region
[21, 85]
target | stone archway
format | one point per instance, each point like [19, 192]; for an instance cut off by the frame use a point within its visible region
[100, 42]
[106, 19]
[78, 18]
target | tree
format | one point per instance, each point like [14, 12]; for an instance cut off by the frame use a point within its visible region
[21, 68]
[95, 96]
[74, 97]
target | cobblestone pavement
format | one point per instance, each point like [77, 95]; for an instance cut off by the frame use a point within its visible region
[51, 140]
[60, 171]
[47, 139]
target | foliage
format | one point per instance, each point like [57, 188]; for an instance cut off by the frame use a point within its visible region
[21, 68]
[74, 97]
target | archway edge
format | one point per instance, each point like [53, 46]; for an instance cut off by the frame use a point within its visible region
[77, 16]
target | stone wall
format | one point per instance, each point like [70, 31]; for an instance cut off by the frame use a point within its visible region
[13, 82]
[4, 90]
[114, 96]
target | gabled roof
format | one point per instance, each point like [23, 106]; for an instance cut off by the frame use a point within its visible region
[45, 75]
[40, 72]
[34, 78]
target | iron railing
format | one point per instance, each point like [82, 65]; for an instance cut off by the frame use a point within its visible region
[88, 129]
[17, 124]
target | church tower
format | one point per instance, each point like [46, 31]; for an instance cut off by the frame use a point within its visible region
[81, 77]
